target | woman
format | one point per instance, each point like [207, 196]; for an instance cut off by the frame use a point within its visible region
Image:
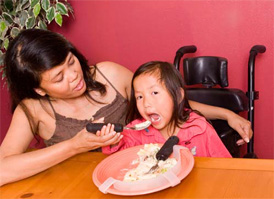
[55, 93]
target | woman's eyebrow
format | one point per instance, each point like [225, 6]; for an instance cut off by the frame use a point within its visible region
[56, 75]
[70, 57]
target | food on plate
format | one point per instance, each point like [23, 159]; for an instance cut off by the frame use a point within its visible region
[146, 160]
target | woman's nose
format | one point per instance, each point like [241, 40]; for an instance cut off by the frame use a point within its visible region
[72, 75]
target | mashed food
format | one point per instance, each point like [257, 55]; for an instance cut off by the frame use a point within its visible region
[146, 160]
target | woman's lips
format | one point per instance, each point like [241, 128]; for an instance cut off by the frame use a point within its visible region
[79, 86]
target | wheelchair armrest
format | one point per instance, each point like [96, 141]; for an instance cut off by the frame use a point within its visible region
[232, 99]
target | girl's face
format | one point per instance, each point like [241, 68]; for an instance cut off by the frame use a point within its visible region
[153, 101]
[63, 81]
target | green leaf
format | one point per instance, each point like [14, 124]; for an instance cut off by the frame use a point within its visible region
[58, 19]
[1, 61]
[23, 18]
[45, 4]
[2, 36]
[36, 9]
[16, 21]
[62, 9]
[42, 25]
[25, 5]
[14, 32]
[22, 5]
[3, 26]
[7, 17]
[30, 22]
[50, 14]
[30, 12]
[33, 2]
[6, 43]
[8, 5]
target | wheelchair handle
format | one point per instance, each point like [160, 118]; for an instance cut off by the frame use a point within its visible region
[187, 49]
[252, 94]
[180, 53]
[258, 49]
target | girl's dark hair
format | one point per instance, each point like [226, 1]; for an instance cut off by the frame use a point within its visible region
[173, 81]
[33, 52]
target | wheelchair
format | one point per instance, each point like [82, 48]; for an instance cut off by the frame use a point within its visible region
[206, 80]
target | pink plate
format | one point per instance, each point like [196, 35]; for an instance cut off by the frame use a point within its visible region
[117, 164]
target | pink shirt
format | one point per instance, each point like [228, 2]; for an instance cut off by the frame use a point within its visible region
[196, 134]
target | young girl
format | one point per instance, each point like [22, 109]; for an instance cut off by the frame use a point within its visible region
[158, 95]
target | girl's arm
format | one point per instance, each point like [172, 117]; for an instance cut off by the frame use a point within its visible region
[238, 123]
[216, 147]
[17, 164]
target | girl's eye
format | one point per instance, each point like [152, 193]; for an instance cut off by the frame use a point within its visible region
[155, 93]
[138, 97]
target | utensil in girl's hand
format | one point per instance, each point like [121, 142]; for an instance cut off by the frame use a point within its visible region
[165, 151]
[94, 127]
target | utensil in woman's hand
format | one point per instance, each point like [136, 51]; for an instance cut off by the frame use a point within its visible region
[94, 127]
[165, 151]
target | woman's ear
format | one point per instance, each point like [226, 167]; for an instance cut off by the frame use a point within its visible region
[40, 91]
[182, 96]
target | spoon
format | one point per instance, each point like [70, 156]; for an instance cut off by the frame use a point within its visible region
[94, 127]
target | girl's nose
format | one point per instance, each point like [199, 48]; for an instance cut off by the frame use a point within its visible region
[146, 102]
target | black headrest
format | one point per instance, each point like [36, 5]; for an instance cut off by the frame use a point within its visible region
[206, 70]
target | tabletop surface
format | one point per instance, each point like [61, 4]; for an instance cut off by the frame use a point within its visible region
[209, 178]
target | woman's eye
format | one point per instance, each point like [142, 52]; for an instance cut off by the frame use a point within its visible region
[71, 62]
[59, 79]
[155, 93]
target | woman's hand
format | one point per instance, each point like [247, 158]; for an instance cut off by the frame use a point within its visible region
[235, 121]
[242, 126]
[86, 141]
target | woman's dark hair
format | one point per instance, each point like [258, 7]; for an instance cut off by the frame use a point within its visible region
[173, 81]
[33, 52]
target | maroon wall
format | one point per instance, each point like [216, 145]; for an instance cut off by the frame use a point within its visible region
[134, 32]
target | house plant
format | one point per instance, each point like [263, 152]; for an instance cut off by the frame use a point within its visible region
[16, 15]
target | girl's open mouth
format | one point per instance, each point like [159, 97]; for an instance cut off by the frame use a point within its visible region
[154, 118]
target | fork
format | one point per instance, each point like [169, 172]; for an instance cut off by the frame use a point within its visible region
[164, 152]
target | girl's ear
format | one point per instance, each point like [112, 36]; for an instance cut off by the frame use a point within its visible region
[40, 91]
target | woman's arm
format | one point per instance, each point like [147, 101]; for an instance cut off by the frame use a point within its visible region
[238, 123]
[17, 164]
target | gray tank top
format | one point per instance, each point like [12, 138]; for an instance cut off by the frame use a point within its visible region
[67, 128]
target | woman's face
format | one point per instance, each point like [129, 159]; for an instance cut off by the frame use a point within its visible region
[64, 81]
[154, 102]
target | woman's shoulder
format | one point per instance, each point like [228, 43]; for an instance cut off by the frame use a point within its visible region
[112, 68]
[35, 107]
[119, 76]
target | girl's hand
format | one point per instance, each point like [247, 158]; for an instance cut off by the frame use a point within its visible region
[85, 141]
[242, 126]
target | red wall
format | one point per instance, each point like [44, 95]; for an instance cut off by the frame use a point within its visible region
[134, 32]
